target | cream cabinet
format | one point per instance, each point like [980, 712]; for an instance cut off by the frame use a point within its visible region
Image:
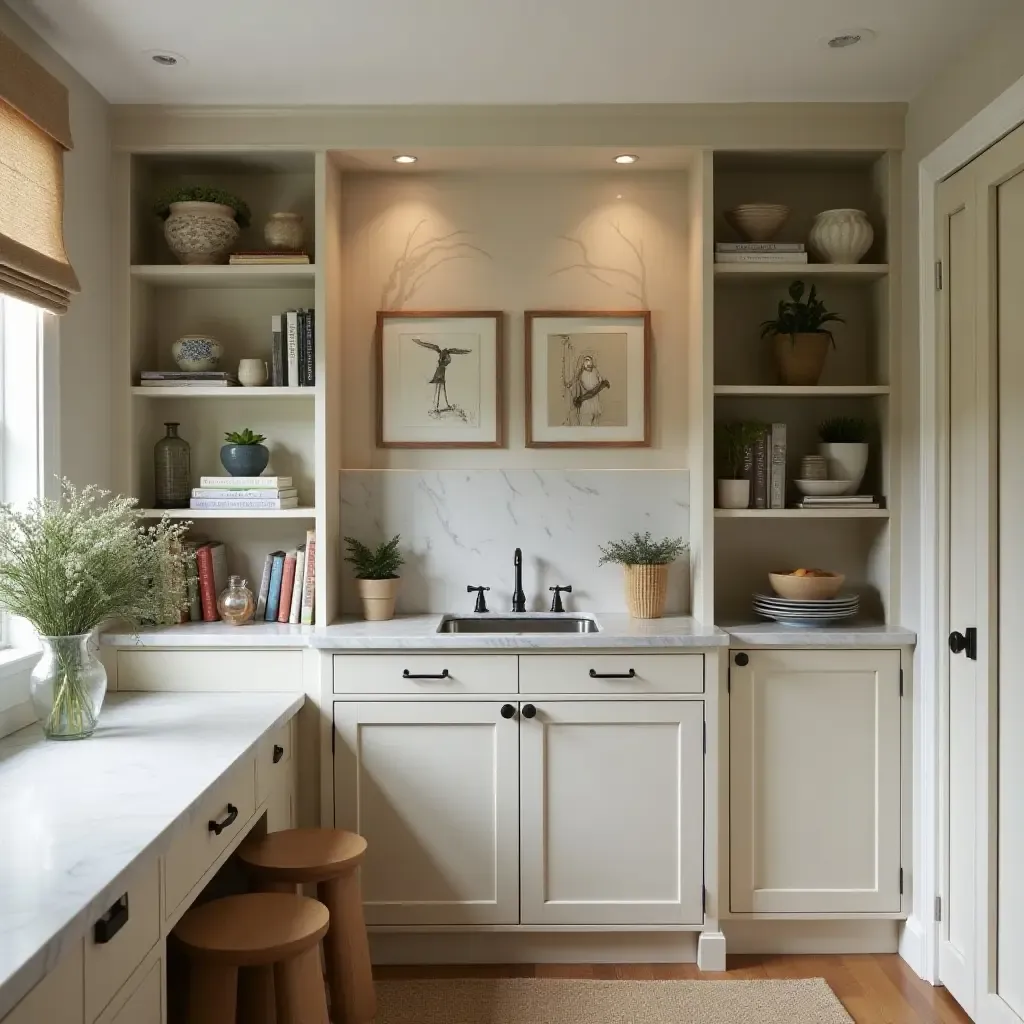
[815, 782]
[142, 1000]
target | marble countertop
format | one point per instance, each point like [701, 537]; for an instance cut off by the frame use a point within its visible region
[771, 634]
[77, 816]
[416, 632]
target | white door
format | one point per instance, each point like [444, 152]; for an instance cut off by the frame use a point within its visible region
[612, 812]
[434, 788]
[815, 782]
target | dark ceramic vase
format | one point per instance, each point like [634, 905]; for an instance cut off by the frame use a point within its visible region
[244, 459]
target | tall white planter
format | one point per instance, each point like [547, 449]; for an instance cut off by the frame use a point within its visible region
[846, 461]
[733, 493]
[841, 236]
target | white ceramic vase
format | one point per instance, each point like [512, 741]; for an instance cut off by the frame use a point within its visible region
[733, 493]
[197, 352]
[283, 231]
[846, 461]
[841, 236]
[201, 232]
[252, 373]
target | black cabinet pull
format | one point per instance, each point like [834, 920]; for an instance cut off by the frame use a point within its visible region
[742, 659]
[508, 711]
[425, 675]
[966, 641]
[631, 674]
[529, 711]
[111, 922]
[278, 753]
[216, 827]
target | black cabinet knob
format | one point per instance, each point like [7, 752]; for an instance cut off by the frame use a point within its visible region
[957, 642]
[965, 641]
[529, 711]
[508, 711]
[742, 659]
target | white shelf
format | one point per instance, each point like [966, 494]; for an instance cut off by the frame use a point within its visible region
[224, 513]
[201, 392]
[282, 275]
[789, 391]
[801, 513]
[825, 271]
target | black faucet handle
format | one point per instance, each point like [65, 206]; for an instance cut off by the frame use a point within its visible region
[556, 601]
[481, 604]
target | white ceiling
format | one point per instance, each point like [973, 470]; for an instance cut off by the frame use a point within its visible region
[506, 51]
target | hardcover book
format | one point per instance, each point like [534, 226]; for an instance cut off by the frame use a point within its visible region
[777, 496]
[262, 483]
[292, 347]
[760, 247]
[287, 585]
[264, 591]
[274, 594]
[295, 611]
[309, 583]
[244, 504]
[760, 257]
[276, 352]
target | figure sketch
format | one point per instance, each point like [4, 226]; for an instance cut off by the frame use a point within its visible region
[444, 358]
[582, 385]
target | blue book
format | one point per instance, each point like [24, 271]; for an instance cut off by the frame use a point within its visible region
[274, 593]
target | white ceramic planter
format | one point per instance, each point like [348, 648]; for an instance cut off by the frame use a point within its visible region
[201, 232]
[846, 461]
[378, 598]
[841, 236]
[733, 493]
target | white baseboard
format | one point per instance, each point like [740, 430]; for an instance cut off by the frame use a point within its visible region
[810, 936]
[913, 947]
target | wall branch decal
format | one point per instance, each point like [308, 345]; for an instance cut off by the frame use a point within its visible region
[632, 282]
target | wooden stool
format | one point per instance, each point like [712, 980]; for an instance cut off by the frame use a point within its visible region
[276, 933]
[328, 857]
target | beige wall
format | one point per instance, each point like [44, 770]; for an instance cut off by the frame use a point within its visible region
[85, 344]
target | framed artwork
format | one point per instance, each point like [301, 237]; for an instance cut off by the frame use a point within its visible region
[439, 380]
[588, 380]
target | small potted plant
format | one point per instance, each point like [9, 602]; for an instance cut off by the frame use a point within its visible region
[376, 572]
[801, 339]
[645, 563]
[201, 224]
[844, 443]
[244, 454]
[733, 441]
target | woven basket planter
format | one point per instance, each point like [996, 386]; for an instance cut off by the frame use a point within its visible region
[646, 590]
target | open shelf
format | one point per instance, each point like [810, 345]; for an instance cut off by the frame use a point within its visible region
[819, 271]
[222, 513]
[240, 392]
[221, 275]
[801, 513]
[792, 391]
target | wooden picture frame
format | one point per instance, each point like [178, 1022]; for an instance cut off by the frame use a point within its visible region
[571, 402]
[417, 365]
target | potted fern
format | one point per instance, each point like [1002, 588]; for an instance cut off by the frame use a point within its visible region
[844, 443]
[376, 571]
[645, 563]
[801, 338]
[733, 440]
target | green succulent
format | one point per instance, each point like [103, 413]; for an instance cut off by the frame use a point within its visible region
[380, 563]
[642, 549]
[203, 194]
[244, 437]
[799, 317]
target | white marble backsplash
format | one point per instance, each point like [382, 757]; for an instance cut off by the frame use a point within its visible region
[461, 527]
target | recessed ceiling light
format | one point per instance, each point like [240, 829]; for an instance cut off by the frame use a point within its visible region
[626, 158]
[165, 58]
[404, 159]
[849, 37]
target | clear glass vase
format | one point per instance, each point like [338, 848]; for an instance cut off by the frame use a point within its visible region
[236, 603]
[67, 687]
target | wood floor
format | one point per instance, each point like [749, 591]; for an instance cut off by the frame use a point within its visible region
[874, 988]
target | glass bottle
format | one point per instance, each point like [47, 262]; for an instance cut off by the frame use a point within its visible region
[172, 470]
[236, 603]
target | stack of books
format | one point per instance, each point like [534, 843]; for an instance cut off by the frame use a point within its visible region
[841, 501]
[293, 349]
[243, 493]
[288, 585]
[765, 468]
[188, 379]
[760, 252]
[267, 257]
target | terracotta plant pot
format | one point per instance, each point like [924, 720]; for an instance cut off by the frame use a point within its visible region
[733, 493]
[801, 357]
[646, 590]
[378, 598]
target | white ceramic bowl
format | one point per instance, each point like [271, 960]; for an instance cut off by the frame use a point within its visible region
[759, 222]
[822, 488]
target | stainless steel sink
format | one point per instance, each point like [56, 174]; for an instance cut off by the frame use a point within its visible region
[517, 624]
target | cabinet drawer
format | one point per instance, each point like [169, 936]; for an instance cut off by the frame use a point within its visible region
[121, 936]
[57, 999]
[612, 673]
[273, 759]
[198, 844]
[432, 674]
[209, 670]
[142, 999]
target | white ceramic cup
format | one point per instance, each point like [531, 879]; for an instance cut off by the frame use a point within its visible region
[252, 373]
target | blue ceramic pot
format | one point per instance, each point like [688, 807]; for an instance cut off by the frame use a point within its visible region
[244, 459]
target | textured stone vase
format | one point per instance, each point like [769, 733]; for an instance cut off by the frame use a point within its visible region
[201, 232]
[283, 231]
[841, 236]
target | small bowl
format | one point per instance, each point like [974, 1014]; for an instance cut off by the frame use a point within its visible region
[759, 222]
[806, 588]
[822, 488]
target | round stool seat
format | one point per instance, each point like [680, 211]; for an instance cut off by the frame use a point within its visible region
[253, 929]
[303, 854]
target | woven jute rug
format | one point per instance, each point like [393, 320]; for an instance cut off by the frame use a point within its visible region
[543, 1001]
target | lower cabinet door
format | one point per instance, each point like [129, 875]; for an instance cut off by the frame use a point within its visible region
[433, 787]
[141, 1000]
[612, 812]
[815, 782]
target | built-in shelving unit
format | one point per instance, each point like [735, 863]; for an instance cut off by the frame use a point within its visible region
[242, 514]
[164, 275]
[814, 271]
[252, 394]
[801, 513]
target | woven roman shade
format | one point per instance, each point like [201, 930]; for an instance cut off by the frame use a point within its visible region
[34, 133]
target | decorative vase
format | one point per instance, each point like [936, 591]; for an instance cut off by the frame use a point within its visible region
[252, 373]
[841, 236]
[172, 470]
[283, 232]
[196, 352]
[244, 459]
[236, 603]
[67, 687]
[801, 357]
[733, 493]
[201, 232]
[646, 590]
[378, 598]
[846, 461]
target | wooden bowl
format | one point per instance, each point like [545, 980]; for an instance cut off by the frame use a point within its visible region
[806, 588]
[758, 222]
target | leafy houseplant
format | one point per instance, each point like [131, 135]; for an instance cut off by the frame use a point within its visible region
[733, 440]
[376, 572]
[844, 443]
[244, 453]
[201, 224]
[801, 338]
[843, 430]
[645, 563]
[69, 565]
[203, 194]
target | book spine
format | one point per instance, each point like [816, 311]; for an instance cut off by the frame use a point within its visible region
[261, 597]
[195, 606]
[761, 257]
[241, 493]
[759, 484]
[760, 247]
[287, 585]
[302, 346]
[309, 380]
[778, 477]
[276, 375]
[309, 584]
[220, 568]
[274, 594]
[207, 590]
[240, 504]
[295, 608]
[262, 483]
[292, 373]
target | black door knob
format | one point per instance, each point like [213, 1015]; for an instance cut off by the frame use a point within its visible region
[957, 642]
[529, 711]
[742, 659]
[508, 711]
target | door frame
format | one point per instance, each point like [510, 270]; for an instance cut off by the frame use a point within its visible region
[919, 939]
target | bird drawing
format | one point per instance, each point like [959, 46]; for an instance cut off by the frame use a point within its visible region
[444, 357]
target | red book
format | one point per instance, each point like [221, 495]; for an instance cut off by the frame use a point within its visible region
[207, 587]
[287, 582]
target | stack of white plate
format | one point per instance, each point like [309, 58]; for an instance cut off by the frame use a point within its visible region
[806, 613]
